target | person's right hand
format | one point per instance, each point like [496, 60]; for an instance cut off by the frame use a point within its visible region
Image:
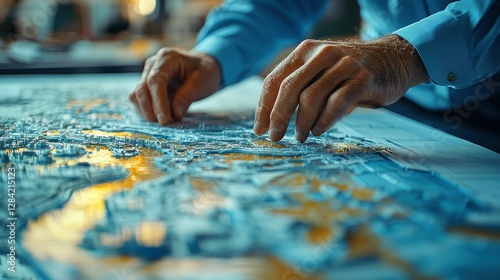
[171, 81]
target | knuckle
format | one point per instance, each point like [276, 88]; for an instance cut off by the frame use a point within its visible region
[151, 60]
[163, 52]
[288, 86]
[339, 102]
[139, 92]
[307, 99]
[152, 80]
[327, 50]
[270, 83]
[349, 61]
[171, 55]
[307, 44]
[278, 117]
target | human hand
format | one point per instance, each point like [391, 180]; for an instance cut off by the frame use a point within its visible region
[328, 79]
[171, 81]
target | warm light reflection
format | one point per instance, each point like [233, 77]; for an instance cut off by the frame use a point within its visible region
[52, 133]
[268, 144]
[363, 243]
[248, 157]
[86, 105]
[145, 7]
[207, 198]
[150, 233]
[57, 234]
[326, 220]
[249, 267]
[117, 134]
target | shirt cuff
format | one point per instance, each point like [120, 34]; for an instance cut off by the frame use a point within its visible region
[443, 48]
[225, 54]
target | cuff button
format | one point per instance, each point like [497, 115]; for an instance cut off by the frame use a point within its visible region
[452, 77]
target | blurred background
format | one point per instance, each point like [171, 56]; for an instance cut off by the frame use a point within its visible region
[82, 36]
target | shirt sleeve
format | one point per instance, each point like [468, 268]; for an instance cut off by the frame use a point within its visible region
[460, 45]
[245, 35]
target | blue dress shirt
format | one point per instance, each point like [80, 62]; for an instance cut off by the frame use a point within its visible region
[458, 41]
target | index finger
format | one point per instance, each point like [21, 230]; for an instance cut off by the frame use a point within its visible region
[164, 70]
[292, 88]
[157, 84]
[140, 97]
[270, 91]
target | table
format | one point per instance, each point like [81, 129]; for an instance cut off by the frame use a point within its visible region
[100, 193]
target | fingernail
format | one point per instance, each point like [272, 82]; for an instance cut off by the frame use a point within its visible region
[300, 136]
[316, 131]
[160, 118]
[257, 128]
[274, 134]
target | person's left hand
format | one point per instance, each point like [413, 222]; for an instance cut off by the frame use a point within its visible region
[328, 79]
[172, 80]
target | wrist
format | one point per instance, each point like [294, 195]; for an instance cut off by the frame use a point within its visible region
[396, 63]
[410, 59]
[212, 66]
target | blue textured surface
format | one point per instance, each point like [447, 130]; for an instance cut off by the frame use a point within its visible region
[227, 193]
